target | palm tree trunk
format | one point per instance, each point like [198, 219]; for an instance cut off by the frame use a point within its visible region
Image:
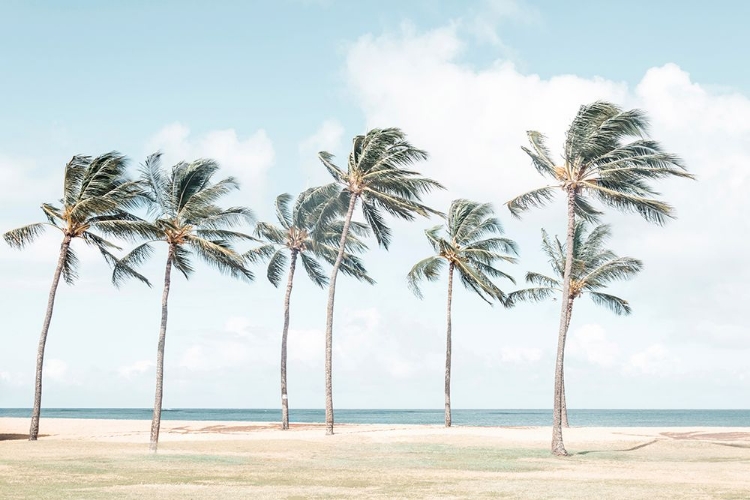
[329, 315]
[36, 411]
[563, 403]
[448, 351]
[284, 333]
[558, 447]
[156, 420]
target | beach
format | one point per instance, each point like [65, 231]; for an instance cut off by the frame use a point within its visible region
[88, 458]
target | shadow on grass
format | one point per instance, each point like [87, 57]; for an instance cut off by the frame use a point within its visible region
[638, 447]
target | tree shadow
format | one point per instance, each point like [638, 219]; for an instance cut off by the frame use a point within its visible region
[637, 447]
[17, 437]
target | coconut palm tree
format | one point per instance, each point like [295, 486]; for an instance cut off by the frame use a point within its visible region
[186, 218]
[377, 177]
[96, 199]
[594, 268]
[606, 157]
[471, 247]
[297, 236]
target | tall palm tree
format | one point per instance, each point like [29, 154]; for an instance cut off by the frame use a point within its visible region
[608, 157]
[377, 177]
[186, 218]
[297, 235]
[594, 268]
[470, 247]
[96, 198]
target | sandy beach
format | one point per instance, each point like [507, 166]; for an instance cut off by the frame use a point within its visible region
[79, 458]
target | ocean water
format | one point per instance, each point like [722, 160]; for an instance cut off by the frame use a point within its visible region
[578, 418]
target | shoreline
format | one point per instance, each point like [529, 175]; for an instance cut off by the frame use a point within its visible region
[137, 431]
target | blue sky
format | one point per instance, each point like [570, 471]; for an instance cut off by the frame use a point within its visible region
[264, 86]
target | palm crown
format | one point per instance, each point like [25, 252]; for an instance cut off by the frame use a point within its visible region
[470, 246]
[599, 164]
[300, 232]
[97, 196]
[376, 174]
[187, 219]
[594, 268]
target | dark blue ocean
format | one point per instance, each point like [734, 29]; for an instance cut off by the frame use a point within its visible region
[579, 418]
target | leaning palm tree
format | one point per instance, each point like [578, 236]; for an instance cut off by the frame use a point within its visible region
[297, 235]
[594, 268]
[377, 177]
[97, 197]
[186, 218]
[471, 247]
[608, 157]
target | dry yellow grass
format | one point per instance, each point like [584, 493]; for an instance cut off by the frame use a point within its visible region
[109, 459]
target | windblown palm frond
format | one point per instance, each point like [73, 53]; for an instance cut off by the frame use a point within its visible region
[607, 157]
[376, 174]
[470, 247]
[182, 203]
[309, 229]
[594, 267]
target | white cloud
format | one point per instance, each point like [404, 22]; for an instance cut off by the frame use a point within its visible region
[472, 120]
[328, 137]
[137, 368]
[520, 355]
[56, 369]
[654, 360]
[590, 342]
[246, 159]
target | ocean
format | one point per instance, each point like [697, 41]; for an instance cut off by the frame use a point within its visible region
[490, 418]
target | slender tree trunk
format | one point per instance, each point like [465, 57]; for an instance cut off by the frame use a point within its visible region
[35, 412]
[329, 316]
[156, 420]
[448, 350]
[563, 403]
[284, 398]
[558, 447]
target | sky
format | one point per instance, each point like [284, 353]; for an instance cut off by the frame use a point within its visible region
[263, 86]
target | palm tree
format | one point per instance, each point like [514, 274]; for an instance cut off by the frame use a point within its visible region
[376, 177]
[471, 248]
[96, 198]
[594, 268]
[187, 219]
[297, 236]
[608, 157]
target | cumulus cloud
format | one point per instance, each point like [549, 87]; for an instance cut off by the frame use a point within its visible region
[248, 159]
[56, 369]
[135, 369]
[656, 359]
[328, 137]
[591, 342]
[520, 355]
[472, 120]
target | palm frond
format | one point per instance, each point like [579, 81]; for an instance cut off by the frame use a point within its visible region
[426, 269]
[314, 270]
[530, 295]
[125, 268]
[377, 224]
[219, 255]
[535, 198]
[615, 304]
[277, 267]
[70, 266]
[22, 236]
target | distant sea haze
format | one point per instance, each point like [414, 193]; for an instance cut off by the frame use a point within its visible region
[487, 418]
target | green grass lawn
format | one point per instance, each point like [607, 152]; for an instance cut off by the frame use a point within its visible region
[340, 468]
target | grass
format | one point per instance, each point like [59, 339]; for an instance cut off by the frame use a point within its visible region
[339, 467]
